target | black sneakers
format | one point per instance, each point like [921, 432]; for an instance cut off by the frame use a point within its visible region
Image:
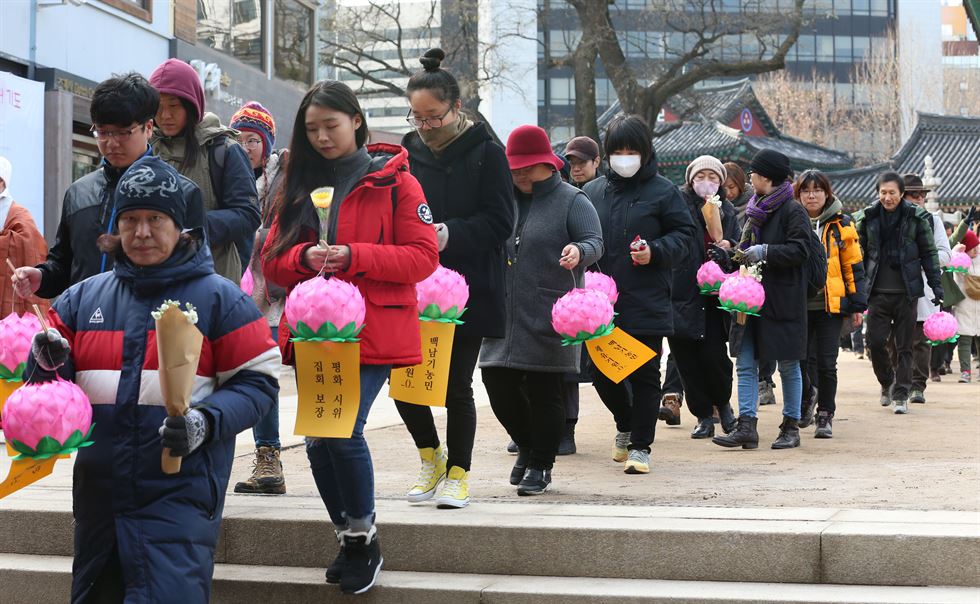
[567, 444]
[535, 482]
[336, 569]
[364, 560]
[520, 466]
[825, 425]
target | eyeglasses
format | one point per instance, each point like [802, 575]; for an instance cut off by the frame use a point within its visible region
[120, 136]
[251, 143]
[431, 122]
[813, 192]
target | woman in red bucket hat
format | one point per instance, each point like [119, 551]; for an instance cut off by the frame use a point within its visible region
[557, 236]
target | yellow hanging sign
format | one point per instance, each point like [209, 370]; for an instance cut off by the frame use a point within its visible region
[24, 472]
[6, 389]
[427, 383]
[328, 377]
[618, 354]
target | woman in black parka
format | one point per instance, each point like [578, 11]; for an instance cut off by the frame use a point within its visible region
[636, 205]
[776, 234]
[698, 345]
[468, 186]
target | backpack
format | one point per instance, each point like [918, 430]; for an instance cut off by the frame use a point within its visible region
[816, 265]
[216, 164]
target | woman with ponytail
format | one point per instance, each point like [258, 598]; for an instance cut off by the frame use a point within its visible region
[468, 186]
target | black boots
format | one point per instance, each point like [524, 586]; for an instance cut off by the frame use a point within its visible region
[789, 434]
[705, 429]
[808, 407]
[745, 434]
[727, 418]
[567, 444]
[336, 569]
[520, 465]
[363, 553]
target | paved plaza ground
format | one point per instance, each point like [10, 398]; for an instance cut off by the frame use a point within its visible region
[929, 459]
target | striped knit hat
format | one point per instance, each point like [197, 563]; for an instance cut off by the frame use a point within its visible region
[253, 117]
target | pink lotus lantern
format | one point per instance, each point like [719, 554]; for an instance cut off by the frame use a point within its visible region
[442, 296]
[582, 315]
[710, 277]
[602, 283]
[940, 328]
[742, 294]
[320, 310]
[959, 263]
[248, 282]
[48, 419]
[16, 333]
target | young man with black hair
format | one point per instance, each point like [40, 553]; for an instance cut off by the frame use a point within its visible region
[900, 259]
[122, 113]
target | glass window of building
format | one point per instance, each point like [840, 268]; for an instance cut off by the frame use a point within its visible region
[562, 91]
[233, 27]
[541, 93]
[879, 8]
[562, 43]
[861, 47]
[293, 41]
[825, 48]
[842, 49]
[806, 48]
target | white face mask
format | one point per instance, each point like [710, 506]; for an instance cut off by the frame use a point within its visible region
[625, 165]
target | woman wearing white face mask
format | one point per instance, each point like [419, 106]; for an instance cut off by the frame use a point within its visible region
[698, 345]
[647, 230]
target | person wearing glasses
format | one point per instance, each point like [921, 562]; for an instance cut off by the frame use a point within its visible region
[467, 183]
[257, 135]
[845, 293]
[206, 152]
[122, 111]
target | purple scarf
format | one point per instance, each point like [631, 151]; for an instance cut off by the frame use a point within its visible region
[758, 211]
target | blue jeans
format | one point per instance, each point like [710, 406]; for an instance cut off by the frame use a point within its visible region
[266, 431]
[747, 369]
[342, 467]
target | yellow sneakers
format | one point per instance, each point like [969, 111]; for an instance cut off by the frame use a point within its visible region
[638, 462]
[620, 451]
[432, 473]
[456, 490]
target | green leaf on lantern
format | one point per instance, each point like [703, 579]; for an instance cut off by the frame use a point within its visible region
[21, 448]
[348, 331]
[17, 375]
[303, 332]
[431, 312]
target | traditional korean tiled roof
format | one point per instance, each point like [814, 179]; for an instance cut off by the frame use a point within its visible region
[953, 143]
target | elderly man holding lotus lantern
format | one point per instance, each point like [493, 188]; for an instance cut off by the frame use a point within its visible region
[146, 525]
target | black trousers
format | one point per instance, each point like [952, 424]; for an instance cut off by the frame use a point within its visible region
[460, 407]
[530, 406]
[921, 357]
[635, 402]
[704, 367]
[891, 316]
[823, 337]
[571, 398]
[672, 377]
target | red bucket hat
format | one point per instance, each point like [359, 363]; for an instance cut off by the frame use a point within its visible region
[529, 145]
[970, 240]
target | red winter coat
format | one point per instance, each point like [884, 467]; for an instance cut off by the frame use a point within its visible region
[391, 251]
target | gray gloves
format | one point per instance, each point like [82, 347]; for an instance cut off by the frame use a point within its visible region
[442, 236]
[185, 433]
[755, 254]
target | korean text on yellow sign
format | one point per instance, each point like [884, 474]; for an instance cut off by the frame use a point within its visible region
[328, 376]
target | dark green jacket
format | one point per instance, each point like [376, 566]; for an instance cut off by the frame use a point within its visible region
[917, 248]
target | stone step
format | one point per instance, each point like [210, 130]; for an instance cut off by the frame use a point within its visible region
[27, 579]
[782, 545]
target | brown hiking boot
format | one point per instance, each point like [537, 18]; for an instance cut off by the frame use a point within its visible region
[266, 475]
[670, 408]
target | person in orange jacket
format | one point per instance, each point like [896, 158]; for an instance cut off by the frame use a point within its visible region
[379, 236]
[843, 298]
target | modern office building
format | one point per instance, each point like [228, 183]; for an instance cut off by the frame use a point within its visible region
[840, 34]
[242, 49]
[961, 60]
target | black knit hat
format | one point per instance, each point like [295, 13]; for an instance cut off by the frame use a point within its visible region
[773, 165]
[151, 184]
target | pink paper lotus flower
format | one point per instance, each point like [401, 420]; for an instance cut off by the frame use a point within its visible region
[47, 419]
[742, 294]
[581, 315]
[710, 277]
[442, 296]
[325, 310]
[959, 263]
[602, 283]
[940, 328]
[248, 282]
[16, 333]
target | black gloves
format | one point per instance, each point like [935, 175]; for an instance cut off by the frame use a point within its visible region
[185, 433]
[721, 257]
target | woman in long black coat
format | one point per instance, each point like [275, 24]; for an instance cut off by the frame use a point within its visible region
[776, 234]
[698, 345]
[468, 186]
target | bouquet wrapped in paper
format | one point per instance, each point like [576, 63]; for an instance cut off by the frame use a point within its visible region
[711, 210]
[179, 351]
